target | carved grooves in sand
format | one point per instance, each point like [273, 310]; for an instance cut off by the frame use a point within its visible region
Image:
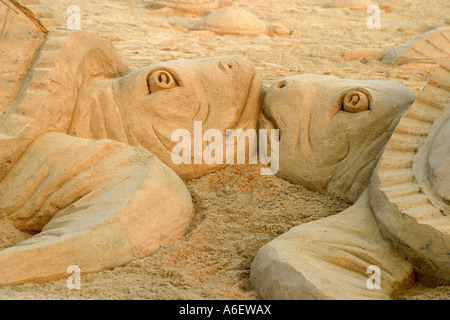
[35, 87]
[436, 46]
[396, 176]
[39, 13]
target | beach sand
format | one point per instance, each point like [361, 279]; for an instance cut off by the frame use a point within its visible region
[237, 210]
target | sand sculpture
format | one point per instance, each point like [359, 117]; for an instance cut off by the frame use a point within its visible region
[79, 167]
[347, 3]
[329, 159]
[237, 21]
[355, 5]
[410, 190]
[364, 54]
[400, 224]
[190, 6]
[431, 47]
[76, 131]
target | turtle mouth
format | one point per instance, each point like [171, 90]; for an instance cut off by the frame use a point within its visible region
[246, 120]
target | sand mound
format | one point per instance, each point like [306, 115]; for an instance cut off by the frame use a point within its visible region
[237, 210]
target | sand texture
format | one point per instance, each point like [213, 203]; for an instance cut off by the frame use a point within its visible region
[237, 210]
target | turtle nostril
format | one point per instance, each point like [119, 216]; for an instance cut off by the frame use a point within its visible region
[281, 84]
[231, 65]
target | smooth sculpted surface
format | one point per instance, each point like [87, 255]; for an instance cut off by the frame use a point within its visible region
[74, 200]
[332, 130]
[431, 47]
[83, 145]
[398, 230]
[237, 21]
[331, 259]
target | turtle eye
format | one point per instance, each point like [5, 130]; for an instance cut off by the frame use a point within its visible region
[355, 101]
[160, 80]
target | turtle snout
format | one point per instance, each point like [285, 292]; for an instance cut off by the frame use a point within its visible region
[229, 65]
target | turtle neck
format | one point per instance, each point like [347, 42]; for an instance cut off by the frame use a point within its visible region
[96, 115]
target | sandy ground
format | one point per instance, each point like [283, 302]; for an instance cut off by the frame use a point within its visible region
[237, 210]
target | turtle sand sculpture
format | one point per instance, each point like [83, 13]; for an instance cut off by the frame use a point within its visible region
[431, 47]
[399, 227]
[357, 4]
[78, 184]
[237, 21]
[190, 6]
[329, 159]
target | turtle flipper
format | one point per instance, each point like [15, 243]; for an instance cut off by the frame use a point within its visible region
[430, 47]
[409, 191]
[329, 259]
[97, 204]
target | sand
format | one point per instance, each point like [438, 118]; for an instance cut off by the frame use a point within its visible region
[236, 210]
